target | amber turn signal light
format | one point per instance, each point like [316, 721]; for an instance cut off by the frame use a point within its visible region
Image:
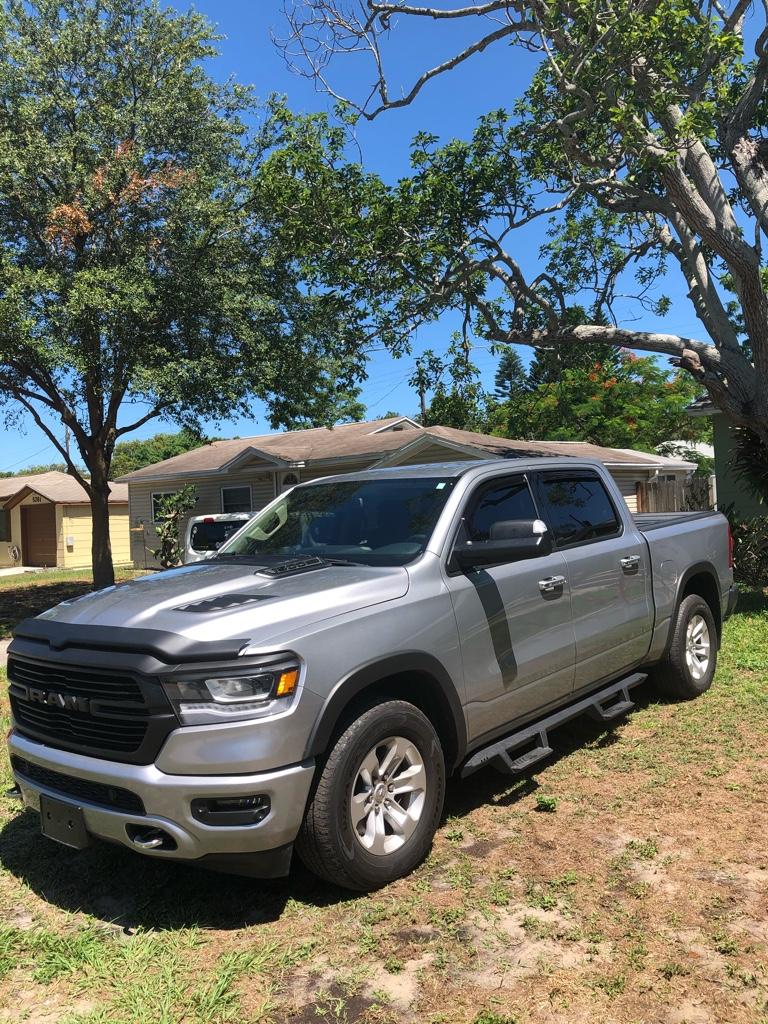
[287, 682]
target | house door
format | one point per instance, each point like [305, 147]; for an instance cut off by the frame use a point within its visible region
[38, 534]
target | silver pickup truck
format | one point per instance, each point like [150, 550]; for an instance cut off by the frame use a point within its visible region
[359, 640]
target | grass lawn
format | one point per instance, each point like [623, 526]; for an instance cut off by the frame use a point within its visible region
[625, 882]
[30, 593]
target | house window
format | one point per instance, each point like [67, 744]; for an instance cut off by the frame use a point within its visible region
[157, 498]
[5, 524]
[288, 480]
[236, 499]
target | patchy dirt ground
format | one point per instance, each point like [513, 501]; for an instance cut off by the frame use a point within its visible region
[625, 882]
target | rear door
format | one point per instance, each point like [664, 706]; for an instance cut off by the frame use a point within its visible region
[608, 572]
[516, 633]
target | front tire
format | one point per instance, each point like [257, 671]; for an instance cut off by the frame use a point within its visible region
[689, 666]
[378, 800]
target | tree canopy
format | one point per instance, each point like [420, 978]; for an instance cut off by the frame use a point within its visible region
[640, 142]
[148, 266]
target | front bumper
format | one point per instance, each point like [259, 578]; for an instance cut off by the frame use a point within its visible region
[167, 801]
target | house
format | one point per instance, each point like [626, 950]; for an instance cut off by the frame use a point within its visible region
[730, 490]
[45, 520]
[245, 474]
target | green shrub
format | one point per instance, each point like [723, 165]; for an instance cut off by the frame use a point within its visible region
[750, 550]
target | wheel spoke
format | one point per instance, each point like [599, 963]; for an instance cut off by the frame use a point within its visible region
[379, 834]
[398, 818]
[369, 769]
[360, 807]
[411, 780]
[392, 759]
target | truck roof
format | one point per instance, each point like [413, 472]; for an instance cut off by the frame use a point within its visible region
[461, 468]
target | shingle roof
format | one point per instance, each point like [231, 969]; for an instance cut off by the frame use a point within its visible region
[359, 440]
[58, 487]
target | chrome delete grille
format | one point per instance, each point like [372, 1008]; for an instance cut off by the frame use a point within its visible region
[104, 713]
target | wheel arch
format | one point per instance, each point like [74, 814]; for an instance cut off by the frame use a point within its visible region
[416, 677]
[700, 579]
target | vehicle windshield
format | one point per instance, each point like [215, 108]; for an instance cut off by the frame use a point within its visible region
[211, 536]
[374, 522]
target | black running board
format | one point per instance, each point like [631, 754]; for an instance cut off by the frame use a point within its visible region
[605, 705]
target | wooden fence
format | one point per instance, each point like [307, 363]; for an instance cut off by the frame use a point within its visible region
[691, 495]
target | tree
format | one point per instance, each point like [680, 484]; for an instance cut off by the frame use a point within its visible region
[129, 456]
[640, 137]
[510, 378]
[622, 401]
[457, 395]
[148, 268]
[47, 467]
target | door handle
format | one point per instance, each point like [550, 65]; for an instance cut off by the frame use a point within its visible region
[551, 583]
[630, 563]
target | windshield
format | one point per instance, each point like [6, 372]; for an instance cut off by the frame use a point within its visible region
[375, 522]
[210, 536]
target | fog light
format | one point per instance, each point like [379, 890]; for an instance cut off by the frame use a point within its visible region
[231, 810]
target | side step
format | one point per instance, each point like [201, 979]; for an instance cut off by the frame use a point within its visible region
[605, 705]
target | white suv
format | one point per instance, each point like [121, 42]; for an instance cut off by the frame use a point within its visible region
[206, 534]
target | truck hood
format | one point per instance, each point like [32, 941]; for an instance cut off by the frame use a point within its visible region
[206, 601]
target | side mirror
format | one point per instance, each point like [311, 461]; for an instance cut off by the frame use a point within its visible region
[509, 541]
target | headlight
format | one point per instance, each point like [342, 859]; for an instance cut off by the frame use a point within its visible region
[212, 698]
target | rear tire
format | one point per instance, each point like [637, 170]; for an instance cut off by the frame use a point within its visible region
[378, 800]
[689, 666]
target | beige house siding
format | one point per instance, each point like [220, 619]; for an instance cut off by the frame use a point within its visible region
[209, 501]
[73, 524]
[14, 537]
[627, 483]
[72, 521]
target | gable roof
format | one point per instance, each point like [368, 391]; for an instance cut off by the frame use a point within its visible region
[55, 486]
[379, 440]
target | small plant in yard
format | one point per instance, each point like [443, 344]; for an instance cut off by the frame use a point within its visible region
[643, 849]
[724, 944]
[612, 984]
[546, 804]
[673, 969]
[498, 894]
[491, 1017]
[454, 834]
[538, 896]
[172, 510]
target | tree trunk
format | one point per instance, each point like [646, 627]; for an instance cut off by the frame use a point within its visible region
[101, 547]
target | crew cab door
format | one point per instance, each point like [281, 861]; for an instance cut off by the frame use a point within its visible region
[607, 569]
[514, 619]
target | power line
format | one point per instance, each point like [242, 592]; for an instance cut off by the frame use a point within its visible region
[27, 458]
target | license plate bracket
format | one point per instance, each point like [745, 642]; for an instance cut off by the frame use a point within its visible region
[63, 822]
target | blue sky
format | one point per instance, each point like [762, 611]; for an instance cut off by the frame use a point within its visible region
[448, 107]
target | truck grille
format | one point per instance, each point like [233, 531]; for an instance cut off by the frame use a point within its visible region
[103, 713]
[81, 789]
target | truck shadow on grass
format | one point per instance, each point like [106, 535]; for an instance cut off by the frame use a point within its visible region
[130, 891]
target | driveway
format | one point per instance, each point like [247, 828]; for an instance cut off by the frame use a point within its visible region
[4, 652]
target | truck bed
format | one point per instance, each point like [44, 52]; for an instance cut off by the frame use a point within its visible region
[647, 521]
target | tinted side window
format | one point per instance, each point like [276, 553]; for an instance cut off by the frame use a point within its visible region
[579, 509]
[507, 501]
